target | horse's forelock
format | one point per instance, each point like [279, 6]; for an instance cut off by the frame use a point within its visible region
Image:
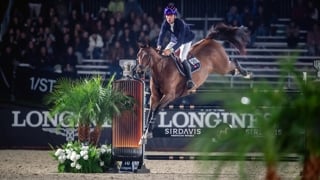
[143, 46]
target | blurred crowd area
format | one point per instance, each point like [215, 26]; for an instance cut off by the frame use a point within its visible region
[261, 18]
[50, 33]
[59, 34]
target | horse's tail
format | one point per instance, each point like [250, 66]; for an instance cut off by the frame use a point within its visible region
[238, 36]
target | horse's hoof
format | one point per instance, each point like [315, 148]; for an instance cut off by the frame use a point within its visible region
[248, 76]
[190, 84]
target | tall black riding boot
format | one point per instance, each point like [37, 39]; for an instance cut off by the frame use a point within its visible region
[187, 68]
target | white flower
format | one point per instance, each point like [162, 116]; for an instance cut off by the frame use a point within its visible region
[104, 146]
[84, 147]
[68, 151]
[86, 157]
[77, 157]
[83, 153]
[68, 156]
[78, 166]
[73, 152]
[62, 158]
[101, 163]
[58, 152]
[73, 156]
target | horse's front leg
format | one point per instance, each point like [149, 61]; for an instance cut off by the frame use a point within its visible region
[164, 101]
[154, 109]
[150, 123]
[151, 118]
[154, 103]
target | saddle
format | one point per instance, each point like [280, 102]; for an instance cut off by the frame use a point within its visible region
[193, 61]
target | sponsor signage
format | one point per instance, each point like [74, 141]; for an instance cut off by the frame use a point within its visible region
[32, 85]
[35, 128]
[174, 129]
[193, 122]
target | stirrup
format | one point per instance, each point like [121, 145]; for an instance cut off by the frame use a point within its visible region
[190, 84]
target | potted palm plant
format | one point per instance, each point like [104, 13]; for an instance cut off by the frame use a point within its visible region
[304, 115]
[111, 103]
[88, 102]
[264, 141]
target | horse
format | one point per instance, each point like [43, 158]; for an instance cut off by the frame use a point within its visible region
[168, 84]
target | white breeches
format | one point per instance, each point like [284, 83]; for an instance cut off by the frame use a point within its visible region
[184, 49]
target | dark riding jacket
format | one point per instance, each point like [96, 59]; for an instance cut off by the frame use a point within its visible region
[181, 33]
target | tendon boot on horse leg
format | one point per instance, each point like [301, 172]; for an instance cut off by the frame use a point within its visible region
[187, 69]
[150, 127]
[150, 124]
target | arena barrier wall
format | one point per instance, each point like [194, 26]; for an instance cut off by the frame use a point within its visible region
[28, 125]
[175, 129]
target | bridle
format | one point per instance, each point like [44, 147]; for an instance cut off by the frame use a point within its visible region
[140, 69]
[148, 59]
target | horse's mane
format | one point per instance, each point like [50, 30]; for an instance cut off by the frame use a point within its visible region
[238, 36]
[198, 43]
[149, 49]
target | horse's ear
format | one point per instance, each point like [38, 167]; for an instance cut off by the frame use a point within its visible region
[142, 45]
[147, 43]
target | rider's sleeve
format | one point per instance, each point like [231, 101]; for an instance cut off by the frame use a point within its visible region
[170, 45]
[161, 34]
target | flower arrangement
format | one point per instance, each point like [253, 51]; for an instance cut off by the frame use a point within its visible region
[76, 157]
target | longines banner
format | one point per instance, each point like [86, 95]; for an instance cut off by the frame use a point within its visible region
[192, 122]
[34, 128]
[23, 127]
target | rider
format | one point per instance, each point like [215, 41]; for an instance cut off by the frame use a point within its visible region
[181, 37]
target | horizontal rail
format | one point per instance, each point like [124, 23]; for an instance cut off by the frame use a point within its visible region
[275, 44]
[271, 37]
[274, 57]
[275, 70]
[278, 25]
[283, 31]
[271, 50]
[274, 63]
[203, 19]
[92, 72]
[93, 66]
[96, 61]
[229, 157]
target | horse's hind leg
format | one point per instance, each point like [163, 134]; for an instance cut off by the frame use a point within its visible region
[241, 70]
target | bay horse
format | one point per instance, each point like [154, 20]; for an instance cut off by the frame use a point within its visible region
[167, 83]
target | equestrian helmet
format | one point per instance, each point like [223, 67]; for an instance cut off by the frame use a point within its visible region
[170, 10]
